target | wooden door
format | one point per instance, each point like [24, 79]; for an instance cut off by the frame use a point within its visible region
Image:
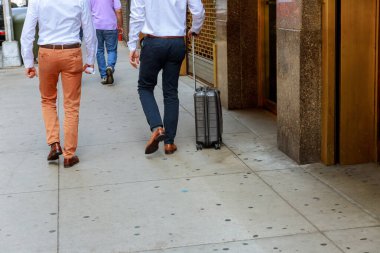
[357, 127]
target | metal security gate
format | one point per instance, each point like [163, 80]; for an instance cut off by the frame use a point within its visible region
[204, 45]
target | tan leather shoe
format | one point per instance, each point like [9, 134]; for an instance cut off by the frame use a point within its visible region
[170, 148]
[55, 151]
[70, 162]
[155, 138]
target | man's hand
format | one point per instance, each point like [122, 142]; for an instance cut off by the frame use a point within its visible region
[88, 66]
[31, 72]
[120, 30]
[191, 34]
[134, 58]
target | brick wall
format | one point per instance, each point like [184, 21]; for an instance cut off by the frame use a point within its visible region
[125, 6]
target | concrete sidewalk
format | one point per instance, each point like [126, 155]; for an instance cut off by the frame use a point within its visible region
[247, 197]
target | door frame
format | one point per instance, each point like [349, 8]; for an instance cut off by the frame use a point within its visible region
[262, 63]
[261, 52]
[329, 81]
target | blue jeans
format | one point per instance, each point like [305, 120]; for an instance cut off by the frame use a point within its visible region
[109, 39]
[167, 55]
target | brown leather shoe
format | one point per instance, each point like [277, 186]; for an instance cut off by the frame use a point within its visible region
[156, 137]
[70, 162]
[55, 151]
[170, 148]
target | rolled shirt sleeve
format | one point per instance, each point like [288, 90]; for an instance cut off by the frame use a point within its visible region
[198, 13]
[137, 20]
[28, 34]
[116, 4]
[88, 32]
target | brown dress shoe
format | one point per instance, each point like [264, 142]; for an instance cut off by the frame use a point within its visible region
[170, 148]
[55, 151]
[156, 137]
[70, 162]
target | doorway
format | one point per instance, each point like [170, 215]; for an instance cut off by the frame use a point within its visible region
[270, 55]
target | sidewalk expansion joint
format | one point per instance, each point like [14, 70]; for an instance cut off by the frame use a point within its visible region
[225, 242]
[153, 180]
[344, 196]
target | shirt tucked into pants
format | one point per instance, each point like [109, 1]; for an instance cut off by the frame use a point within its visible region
[164, 23]
[59, 23]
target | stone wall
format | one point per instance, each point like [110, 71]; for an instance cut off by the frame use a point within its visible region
[237, 52]
[299, 79]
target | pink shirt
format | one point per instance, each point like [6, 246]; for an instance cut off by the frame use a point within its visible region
[103, 14]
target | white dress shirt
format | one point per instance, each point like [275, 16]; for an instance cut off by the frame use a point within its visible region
[163, 18]
[59, 23]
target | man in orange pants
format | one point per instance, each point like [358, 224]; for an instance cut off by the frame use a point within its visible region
[60, 54]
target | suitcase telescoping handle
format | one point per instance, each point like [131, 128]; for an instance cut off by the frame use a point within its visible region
[193, 49]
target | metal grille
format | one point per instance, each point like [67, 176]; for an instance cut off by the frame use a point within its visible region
[125, 7]
[205, 42]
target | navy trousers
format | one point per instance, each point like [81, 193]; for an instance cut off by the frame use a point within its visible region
[167, 55]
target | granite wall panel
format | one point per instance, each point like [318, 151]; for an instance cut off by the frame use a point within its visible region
[299, 79]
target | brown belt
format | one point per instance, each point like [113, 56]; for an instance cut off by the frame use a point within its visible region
[70, 46]
[165, 37]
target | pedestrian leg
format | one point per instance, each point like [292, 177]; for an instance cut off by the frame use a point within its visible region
[170, 76]
[71, 83]
[48, 75]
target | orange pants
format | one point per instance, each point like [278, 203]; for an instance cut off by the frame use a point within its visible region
[68, 63]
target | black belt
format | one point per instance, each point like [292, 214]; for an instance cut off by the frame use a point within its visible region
[69, 46]
[165, 37]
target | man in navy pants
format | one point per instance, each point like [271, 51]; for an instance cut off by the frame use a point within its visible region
[163, 48]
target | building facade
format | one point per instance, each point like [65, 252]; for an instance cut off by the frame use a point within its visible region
[313, 63]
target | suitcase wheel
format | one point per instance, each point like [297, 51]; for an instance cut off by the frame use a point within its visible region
[199, 147]
[217, 146]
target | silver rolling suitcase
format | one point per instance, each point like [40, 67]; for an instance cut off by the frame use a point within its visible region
[208, 114]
